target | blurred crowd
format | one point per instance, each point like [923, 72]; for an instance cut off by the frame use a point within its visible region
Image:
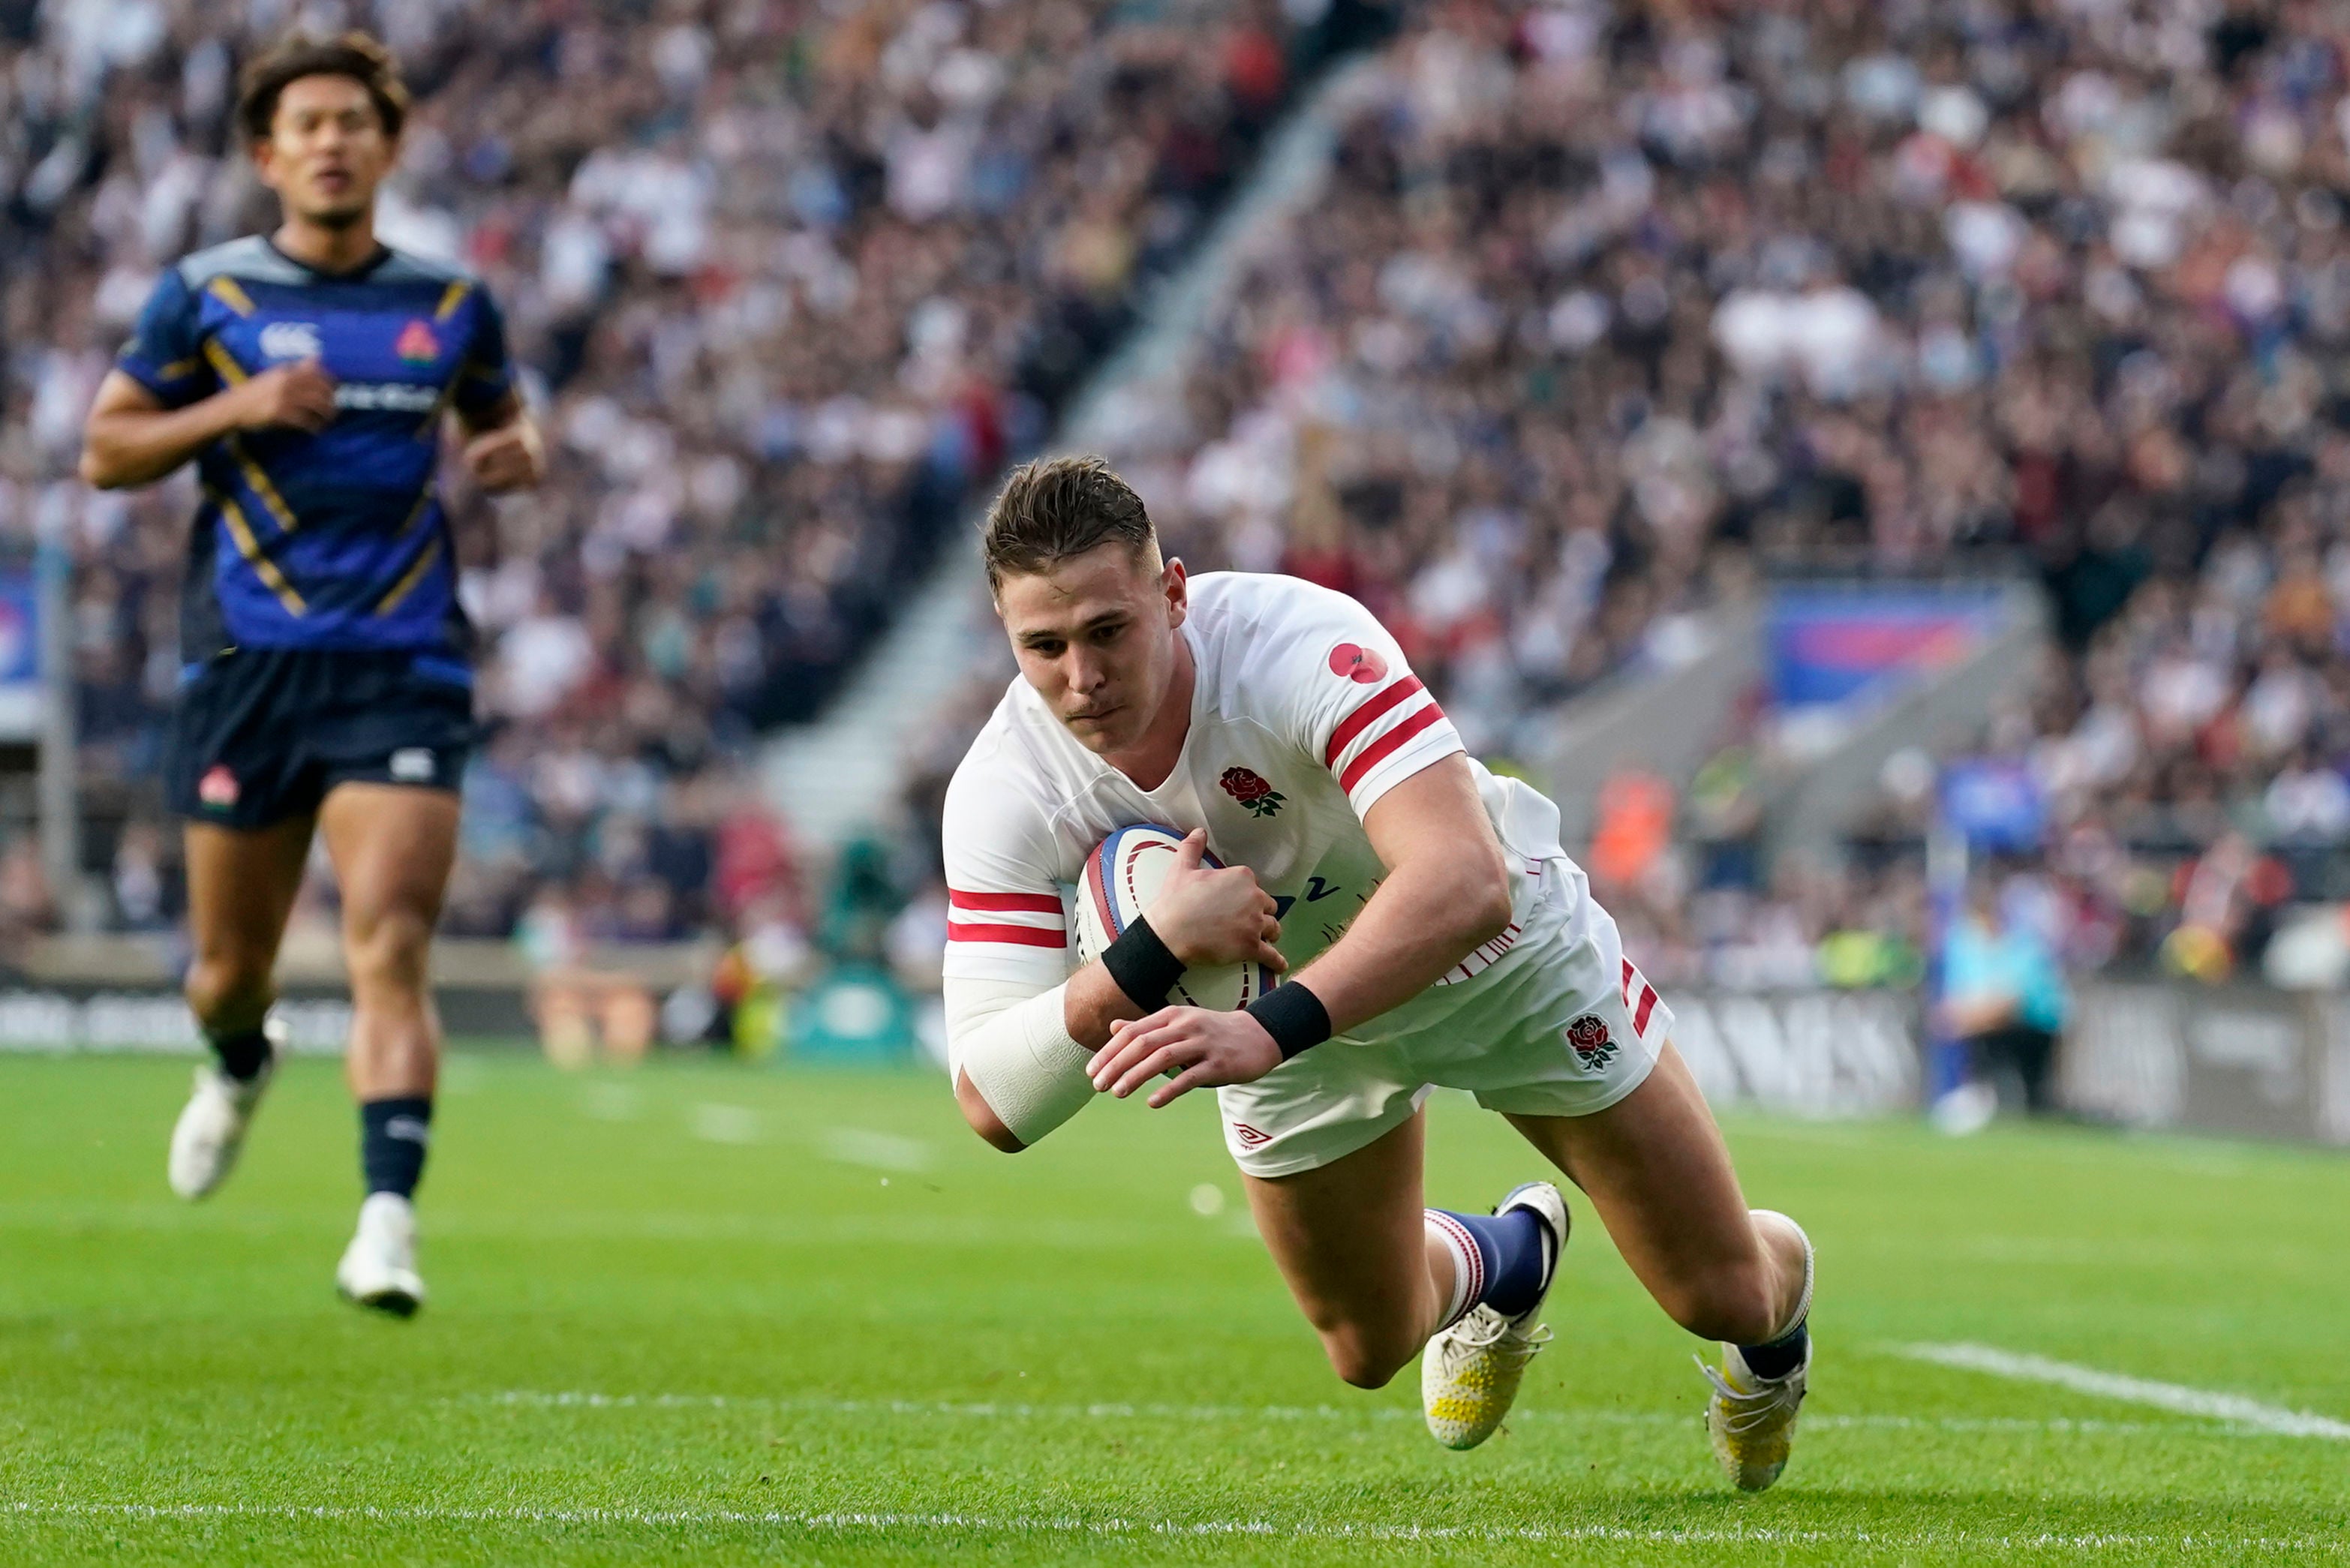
[1608, 314]
[788, 280]
[1605, 315]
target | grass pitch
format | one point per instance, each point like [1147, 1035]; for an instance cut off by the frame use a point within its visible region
[709, 1315]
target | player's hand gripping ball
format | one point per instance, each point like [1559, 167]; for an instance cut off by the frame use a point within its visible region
[1128, 875]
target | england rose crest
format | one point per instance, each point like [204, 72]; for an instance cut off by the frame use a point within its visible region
[1252, 790]
[1588, 1035]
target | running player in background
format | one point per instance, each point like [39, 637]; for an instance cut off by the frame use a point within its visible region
[327, 680]
[1433, 932]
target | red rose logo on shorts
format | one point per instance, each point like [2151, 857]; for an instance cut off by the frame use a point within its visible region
[1363, 666]
[1251, 791]
[217, 788]
[1588, 1035]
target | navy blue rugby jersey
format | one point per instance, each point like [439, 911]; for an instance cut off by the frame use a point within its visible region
[336, 540]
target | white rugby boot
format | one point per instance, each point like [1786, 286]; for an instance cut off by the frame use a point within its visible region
[378, 1268]
[1750, 1420]
[1469, 1374]
[211, 1128]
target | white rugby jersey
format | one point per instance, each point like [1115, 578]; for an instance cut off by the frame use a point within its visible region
[1304, 713]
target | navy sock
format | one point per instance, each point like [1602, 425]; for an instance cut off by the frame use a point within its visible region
[1515, 1247]
[241, 1053]
[392, 1136]
[1782, 1355]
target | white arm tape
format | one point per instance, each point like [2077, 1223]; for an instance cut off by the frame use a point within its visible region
[1016, 1048]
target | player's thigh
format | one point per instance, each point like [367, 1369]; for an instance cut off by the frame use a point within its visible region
[242, 883]
[392, 847]
[1348, 1236]
[1656, 1171]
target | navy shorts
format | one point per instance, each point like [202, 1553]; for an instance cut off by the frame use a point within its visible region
[260, 735]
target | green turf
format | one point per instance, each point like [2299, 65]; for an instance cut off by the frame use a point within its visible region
[712, 1316]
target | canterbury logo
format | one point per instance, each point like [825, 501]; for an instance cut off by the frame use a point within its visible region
[290, 341]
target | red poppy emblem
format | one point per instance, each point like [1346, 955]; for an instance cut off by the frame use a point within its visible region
[1252, 790]
[1361, 665]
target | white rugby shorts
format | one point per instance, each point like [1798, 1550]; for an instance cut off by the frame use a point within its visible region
[1563, 1027]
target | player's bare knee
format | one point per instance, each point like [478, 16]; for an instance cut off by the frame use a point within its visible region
[227, 991]
[388, 950]
[1366, 1356]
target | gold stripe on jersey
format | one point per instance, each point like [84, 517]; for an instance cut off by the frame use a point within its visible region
[410, 578]
[224, 363]
[250, 549]
[451, 298]
[226, 291]
[286, 521]
[414, 513]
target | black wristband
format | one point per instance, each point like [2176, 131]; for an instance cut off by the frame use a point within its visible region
[1293, 1016]
[1142, 966]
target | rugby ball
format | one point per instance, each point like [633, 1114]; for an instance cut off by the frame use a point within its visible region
[1123, 876]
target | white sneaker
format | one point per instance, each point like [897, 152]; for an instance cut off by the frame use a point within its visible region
[1469, 1374]
[378, 1268]
[211, 1128]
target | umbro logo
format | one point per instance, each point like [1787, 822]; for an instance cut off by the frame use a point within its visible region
[291, 340]
[1250, 1137]
[408, 1129]
[410, 764]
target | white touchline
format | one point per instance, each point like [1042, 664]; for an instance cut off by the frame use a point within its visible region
[2175, 1396]
[581, 1399]
[1035, 1524]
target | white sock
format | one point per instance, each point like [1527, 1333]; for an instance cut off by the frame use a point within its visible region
[1803, 1302]
[1467, 1266]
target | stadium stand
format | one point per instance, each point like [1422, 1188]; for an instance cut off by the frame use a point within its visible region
[1610, 314]
[1541, 374]
[790, 280]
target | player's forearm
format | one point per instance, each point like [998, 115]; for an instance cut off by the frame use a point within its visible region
[1018, 1075]
[1426, 916]
[127, 448]
[1093, 1005]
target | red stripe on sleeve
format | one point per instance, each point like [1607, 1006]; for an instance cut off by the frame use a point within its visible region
[1378, 751]
[1019, 935]
[1006, 903]
[1355, 723]
[1647, 1005]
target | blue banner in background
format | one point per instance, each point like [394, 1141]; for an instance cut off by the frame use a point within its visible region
[20, 655]
[1829, 645]
[1993, 804]
[20, 644]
